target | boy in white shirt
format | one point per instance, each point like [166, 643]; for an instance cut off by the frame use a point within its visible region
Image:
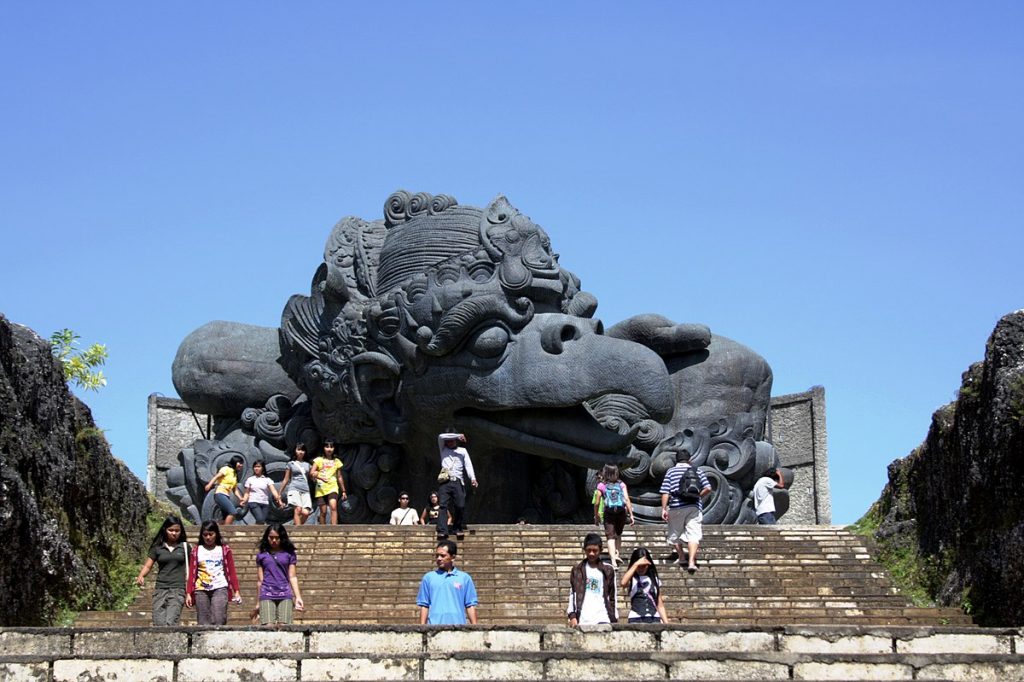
[592, 588]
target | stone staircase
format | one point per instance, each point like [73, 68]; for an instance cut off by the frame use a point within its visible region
[787, 602]
[748, 576]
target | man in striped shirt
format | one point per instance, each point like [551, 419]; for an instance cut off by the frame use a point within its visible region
[682, 512]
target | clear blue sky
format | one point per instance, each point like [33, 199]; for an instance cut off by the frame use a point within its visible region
[837, 185]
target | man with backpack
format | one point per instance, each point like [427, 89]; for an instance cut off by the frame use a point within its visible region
[611, 493]
[681, 493]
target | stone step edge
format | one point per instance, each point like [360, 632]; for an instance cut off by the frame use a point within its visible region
[65, 641]
[838, 629]
[788, 657]
[540, 620]
[893, 631]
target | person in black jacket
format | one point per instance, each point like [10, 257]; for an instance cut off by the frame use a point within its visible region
[592, 588]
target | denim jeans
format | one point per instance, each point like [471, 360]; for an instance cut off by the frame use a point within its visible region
[259, 511]
[227, 504]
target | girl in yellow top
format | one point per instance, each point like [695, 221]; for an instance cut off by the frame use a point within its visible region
[326, 472]
[227, 493]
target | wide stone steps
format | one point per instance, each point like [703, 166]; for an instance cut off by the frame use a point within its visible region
[630, 652]
[782, 575]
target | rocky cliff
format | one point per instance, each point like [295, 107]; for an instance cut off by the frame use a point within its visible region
[953, 510]
[72, 517]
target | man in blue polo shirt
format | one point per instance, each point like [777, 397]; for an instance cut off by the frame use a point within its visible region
[447, 595]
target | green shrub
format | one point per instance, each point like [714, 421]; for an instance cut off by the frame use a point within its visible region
[79, 365]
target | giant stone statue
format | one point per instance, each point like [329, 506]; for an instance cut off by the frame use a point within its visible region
[445, 317]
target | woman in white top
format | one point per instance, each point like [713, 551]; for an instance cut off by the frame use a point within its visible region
[211, 577]
[256, 488]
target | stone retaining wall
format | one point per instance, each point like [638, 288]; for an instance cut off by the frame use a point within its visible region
[510, 653]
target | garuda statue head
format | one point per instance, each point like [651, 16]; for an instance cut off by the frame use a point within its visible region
[449, 316]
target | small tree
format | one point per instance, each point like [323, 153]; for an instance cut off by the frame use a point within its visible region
[79, 365]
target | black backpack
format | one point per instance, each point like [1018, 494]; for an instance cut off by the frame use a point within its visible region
[689, 485]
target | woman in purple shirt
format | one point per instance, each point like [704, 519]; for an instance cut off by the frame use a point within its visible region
[275, 576]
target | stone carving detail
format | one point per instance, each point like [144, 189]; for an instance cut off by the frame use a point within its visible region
[726, 451]
[443, 316]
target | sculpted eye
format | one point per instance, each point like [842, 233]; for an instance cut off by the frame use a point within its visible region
[415, 289]
[447, 274]
[489, 343]
[481, 271]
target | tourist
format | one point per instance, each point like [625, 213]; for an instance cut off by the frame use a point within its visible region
[296, 482]
[326, 472]
[645, 601]
[455, 464]
[277, 584]
[169, 551]
[764, 500]
[613, 494]
[681, 493]
[256, 487]
[598, 503]
[227, 496]
[447, 595]
[432, 511]
[592, 588]
[404, 515]
[211, 575]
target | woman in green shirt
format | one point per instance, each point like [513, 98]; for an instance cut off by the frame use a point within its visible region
[169, 551]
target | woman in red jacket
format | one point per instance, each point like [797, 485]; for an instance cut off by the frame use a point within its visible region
[211, 574]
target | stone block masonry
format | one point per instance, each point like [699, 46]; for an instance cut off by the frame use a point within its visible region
[171, 426]
[648, 652]
[796, 427]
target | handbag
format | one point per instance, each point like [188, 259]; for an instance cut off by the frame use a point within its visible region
[444, 476]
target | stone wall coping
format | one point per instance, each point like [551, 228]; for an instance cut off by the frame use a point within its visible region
[168, 401]
[823, 631]
[556, 652]
[801, 397]
[658, 656]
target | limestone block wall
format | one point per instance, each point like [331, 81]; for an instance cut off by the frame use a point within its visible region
[796, 427]
[171, 427]
[636, 652]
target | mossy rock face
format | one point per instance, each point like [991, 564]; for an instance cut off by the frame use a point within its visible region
[950, 522]
[73, 517]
